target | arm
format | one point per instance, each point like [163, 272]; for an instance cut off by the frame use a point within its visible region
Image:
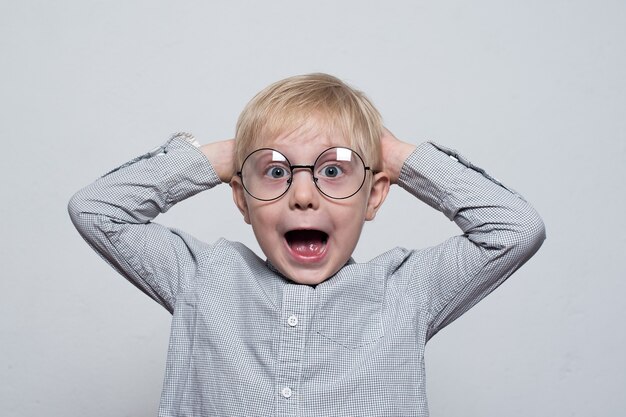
[501, 231]
[114, 214]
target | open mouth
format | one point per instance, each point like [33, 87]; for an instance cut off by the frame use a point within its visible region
[307, 243]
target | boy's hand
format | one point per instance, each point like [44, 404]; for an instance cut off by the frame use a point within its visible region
[221, 155]
[395, 152]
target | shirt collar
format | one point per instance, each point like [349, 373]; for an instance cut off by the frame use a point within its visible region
[362, 283]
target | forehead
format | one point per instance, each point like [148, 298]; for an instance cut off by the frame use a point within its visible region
[304, 142]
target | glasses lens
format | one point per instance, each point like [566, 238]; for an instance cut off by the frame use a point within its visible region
[340, 172]
[265, 174]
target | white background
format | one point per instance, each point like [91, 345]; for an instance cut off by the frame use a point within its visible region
[532, 91]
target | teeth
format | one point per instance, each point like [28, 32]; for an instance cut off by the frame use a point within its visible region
[307, 242]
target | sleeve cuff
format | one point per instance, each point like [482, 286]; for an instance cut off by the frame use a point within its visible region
[191, 171]
[175, 170]
[432, 171]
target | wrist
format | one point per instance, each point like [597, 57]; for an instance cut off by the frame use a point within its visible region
[398, 154]
[220, 155]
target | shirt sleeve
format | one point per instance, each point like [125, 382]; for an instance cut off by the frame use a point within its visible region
[501, 231]
[114, 215]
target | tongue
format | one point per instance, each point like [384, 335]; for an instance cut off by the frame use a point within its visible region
[307, 242]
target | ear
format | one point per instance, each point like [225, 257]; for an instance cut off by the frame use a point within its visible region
[378, 193]
[239, 197]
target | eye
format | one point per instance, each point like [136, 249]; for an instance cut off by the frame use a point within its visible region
[331, 171]
[276, 172]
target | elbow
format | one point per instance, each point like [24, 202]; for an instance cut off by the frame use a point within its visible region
[531, 232]
[520, 230]
[74, 207]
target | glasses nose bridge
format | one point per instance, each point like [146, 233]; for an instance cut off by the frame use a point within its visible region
[303, 194]
[293, 169]
[299, 189]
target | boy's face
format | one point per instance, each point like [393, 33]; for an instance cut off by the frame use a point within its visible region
[307, 236]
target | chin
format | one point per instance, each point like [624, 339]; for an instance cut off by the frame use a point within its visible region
[308, 277]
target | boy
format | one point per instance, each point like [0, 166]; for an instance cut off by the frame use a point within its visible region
[309, 331]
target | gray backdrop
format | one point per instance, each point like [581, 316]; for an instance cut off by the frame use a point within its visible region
[532, 91]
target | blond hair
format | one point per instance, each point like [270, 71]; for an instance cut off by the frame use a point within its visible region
[338, 110]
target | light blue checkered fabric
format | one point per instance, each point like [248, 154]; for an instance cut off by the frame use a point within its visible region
[245, 341]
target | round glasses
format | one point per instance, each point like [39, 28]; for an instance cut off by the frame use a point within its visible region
[338, 173]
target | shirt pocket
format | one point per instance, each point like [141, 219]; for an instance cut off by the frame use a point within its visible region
[350, 307]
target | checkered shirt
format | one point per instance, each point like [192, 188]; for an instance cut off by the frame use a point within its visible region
[245, 341]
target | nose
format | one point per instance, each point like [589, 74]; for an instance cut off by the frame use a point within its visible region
[303, 193]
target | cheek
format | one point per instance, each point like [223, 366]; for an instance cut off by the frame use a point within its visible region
[359, 209]
[349, 220]
[263, 218]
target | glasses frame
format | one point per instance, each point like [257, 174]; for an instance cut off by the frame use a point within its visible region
[311, 167]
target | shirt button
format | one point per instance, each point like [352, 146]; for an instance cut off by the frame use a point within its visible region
[292, 320]
[286, 392]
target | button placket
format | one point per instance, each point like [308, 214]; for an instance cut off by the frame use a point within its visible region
[296, 303]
